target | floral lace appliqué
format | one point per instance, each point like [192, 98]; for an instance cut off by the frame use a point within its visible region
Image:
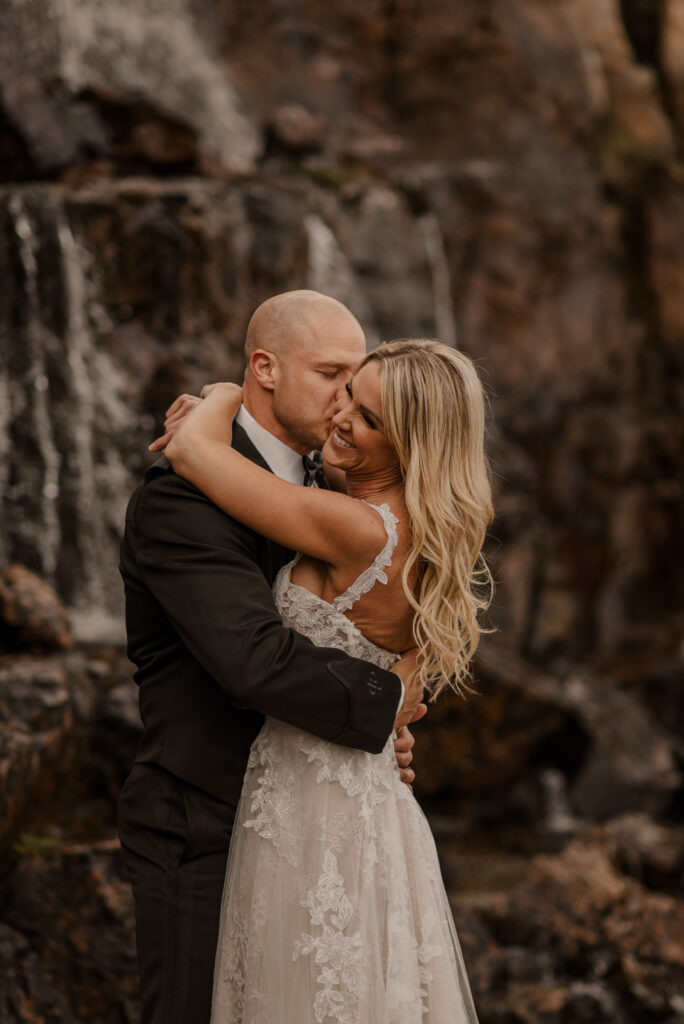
[339, 955]
[271, 799]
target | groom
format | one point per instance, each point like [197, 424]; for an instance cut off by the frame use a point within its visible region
[213, 657]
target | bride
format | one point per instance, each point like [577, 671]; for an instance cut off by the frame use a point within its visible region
[333, 907]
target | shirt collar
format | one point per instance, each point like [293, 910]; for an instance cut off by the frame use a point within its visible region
[283, 460]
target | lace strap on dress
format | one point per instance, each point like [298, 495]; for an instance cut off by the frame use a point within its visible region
[374, 573]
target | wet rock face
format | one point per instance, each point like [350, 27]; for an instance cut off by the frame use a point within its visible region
[138, 85]
[100, 356]
[516, 168]
[505, 177]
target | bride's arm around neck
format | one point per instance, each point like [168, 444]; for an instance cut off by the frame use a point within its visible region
[330, 526]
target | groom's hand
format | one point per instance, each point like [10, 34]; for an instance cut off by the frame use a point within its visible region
[412, 708]
[403, 749]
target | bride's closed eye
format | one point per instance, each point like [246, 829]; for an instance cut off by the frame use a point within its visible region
[364, 415]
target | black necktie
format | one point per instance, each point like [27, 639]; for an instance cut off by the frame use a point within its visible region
[313, 470]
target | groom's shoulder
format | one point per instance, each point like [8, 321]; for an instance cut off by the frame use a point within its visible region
[165, 502]
[160, 480]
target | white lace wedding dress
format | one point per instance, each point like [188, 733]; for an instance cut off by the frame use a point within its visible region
[334, 908]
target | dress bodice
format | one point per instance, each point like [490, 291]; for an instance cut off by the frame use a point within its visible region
[325, 623]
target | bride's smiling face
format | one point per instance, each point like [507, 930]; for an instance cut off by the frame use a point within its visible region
[357, 441]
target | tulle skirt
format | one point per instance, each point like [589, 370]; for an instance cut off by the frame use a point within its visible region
[333, 907]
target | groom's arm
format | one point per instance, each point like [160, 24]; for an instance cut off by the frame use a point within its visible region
[203, 569]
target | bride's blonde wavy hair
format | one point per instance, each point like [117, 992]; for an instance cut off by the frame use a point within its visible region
[434, 418]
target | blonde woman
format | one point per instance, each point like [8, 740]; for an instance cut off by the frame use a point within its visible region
[333, 908]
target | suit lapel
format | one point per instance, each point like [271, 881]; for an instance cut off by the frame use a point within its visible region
[243, 445]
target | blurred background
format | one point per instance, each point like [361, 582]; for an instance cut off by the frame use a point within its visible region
[507, 177]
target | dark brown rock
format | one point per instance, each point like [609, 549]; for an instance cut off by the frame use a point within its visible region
[296, 129]
[650, 852]
[31, 614]
[580, 941]
[46, 710]
[613, 755]
[67, 949]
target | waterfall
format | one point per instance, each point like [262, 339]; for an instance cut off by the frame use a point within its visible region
[28, 415]
[445, 319]
[62, 59]
[329, 271]
[62, 419]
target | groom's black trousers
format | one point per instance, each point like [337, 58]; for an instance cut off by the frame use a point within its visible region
[175, 841]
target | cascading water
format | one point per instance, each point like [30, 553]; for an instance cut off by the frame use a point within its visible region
[62, 420]
[330, 271]
[445, 318]
[32, 485]
[66, 64]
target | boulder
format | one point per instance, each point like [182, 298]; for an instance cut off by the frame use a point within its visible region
[531, 747]
[581, 941]
[296, 129]
[31, 614]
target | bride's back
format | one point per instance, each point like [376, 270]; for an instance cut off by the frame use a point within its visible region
[383, 613]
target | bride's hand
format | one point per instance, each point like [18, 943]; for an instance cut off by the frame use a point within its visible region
[184, 404]
[174, 415]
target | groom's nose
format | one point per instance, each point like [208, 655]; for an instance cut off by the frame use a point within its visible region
[340, 397]
[338, 413]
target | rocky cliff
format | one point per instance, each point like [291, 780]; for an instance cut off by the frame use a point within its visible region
[506, 177]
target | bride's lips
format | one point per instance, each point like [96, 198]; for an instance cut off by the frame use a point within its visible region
[340, 442]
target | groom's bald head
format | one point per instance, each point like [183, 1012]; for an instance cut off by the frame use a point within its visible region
[301, 348]
[288, 320]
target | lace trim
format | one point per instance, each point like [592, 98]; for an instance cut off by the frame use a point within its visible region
[374, 573]
[325, 625]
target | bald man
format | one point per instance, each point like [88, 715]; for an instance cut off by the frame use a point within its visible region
[212, 656]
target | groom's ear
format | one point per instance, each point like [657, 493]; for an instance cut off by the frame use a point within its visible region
[263, 366]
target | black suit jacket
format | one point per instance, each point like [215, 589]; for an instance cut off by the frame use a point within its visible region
[211, 654]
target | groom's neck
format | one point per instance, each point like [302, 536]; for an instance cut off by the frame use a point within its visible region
[262, 412]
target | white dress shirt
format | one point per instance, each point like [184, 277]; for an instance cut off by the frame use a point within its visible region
[283, 460]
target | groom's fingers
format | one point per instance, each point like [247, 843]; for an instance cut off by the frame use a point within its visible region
[403, 747]
[420, 711]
